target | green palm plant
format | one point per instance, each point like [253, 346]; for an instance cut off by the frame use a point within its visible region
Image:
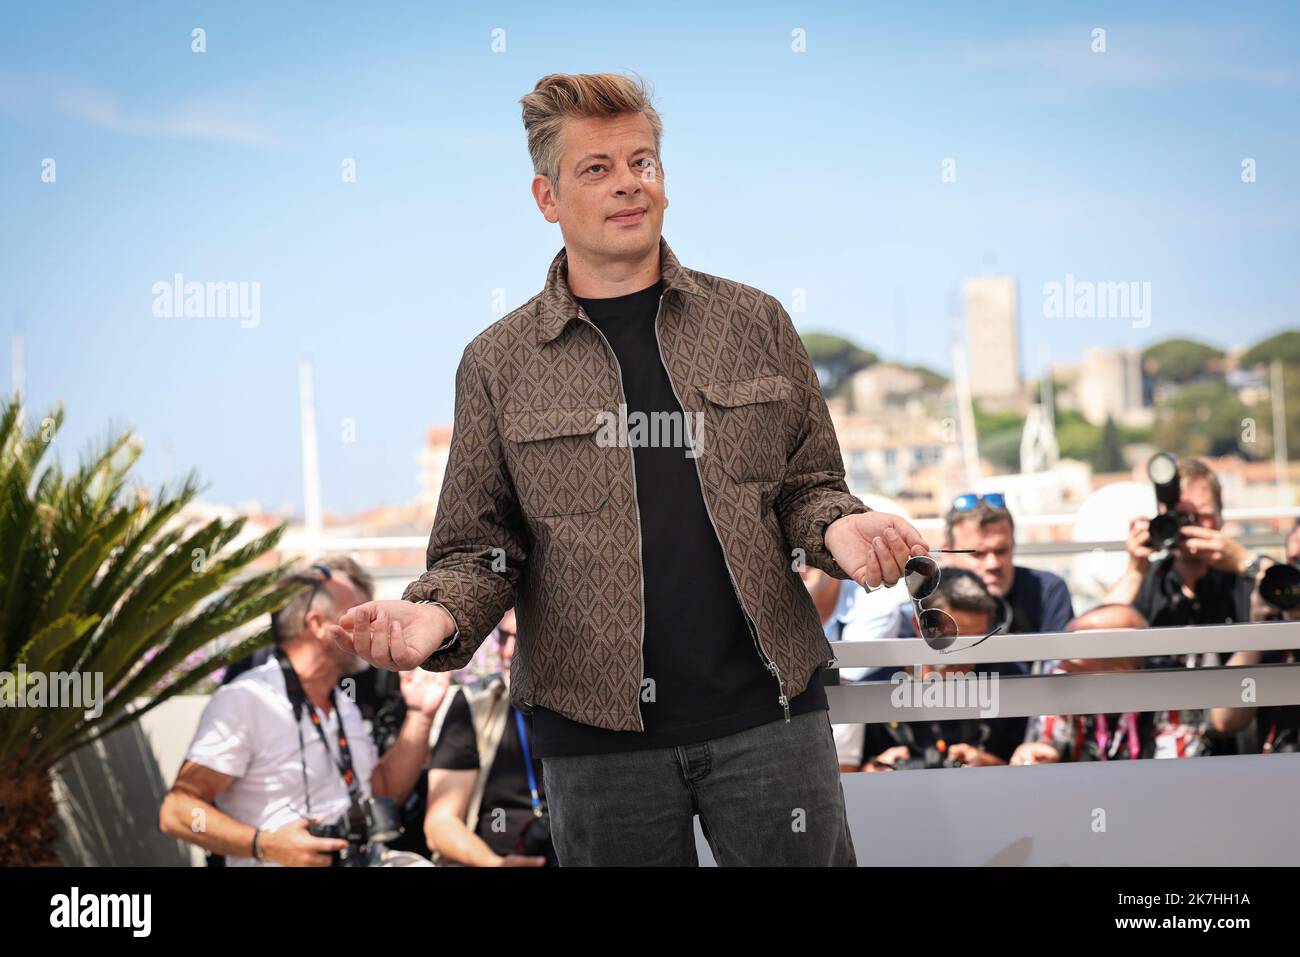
[100, 580]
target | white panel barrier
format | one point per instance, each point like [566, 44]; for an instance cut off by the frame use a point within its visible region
[1226, 810]
[1212, 811]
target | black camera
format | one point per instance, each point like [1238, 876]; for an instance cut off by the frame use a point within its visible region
[1164, 529]
[931, 758]
[1280, 587]
[373, 822]
[535, 840]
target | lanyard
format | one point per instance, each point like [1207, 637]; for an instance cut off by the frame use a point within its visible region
[528, 762]
[298, 698]
[1128, 727]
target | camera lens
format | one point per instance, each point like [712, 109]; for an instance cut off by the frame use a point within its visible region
[1164, 531]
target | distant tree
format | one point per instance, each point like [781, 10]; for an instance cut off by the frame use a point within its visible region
[1205, 418]
[988, 423]
[1002, 449]
[999, 437]
[1109, 455]
[835, 358]
[1284, 346]
[1257, 430]
[1178, 360]
[1076, 437]
[929, 378]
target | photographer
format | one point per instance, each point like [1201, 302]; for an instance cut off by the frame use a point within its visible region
[962, 742]
[1275, 729]
[1206, 577]
[1270, 729]
[1117, 735]
[377, 693]
[1029, 600]
[259, 768]
[482, 810]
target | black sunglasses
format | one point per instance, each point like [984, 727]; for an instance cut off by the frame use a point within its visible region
[938, 628]
[316, 584]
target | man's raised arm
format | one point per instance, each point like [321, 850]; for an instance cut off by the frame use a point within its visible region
[475, 556]
[833, 528]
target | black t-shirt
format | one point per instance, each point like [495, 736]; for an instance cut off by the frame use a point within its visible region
[708, 678]
[1220, 597]
[507, 782]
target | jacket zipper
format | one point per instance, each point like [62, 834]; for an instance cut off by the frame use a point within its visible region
[636, 508]
[768, 663]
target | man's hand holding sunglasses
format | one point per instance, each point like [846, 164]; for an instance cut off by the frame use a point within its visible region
[873, 547]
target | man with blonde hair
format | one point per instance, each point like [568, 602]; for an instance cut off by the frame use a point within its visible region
[1206, 577]
[642, 454]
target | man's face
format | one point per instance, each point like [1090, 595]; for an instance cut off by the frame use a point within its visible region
[1198, 501]
[609, 166]
[506, 639]
[1293, 546]
[344, 594]
[994, 557]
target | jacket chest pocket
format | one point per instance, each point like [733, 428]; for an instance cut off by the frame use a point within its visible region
[557, 465]
[744, 425]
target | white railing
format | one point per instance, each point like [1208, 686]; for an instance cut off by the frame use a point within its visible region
[1090, 693]
[1216, 811]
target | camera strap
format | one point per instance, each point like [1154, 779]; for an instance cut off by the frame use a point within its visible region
[528, 761]
[298, 699]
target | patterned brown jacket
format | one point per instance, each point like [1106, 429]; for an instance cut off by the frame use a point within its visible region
[539, 512]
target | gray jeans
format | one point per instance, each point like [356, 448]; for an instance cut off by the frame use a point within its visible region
[769, 795]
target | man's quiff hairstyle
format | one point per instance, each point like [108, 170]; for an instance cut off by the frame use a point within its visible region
[580, 95]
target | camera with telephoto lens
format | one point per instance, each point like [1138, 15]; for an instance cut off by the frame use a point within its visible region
[366, 826]
[1280, 586]
[1164, 529]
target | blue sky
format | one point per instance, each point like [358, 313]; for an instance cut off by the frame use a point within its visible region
[815, 171]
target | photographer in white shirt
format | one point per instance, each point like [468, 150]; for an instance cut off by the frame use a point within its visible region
[240, 790]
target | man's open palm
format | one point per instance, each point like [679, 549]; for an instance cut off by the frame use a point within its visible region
[395, 635]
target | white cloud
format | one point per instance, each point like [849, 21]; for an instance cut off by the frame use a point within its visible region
[187, 120]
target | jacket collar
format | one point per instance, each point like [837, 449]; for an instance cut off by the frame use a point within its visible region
[559, 306]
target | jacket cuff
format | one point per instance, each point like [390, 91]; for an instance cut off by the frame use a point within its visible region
[448, 654]
[454, 640]
[823, 516]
